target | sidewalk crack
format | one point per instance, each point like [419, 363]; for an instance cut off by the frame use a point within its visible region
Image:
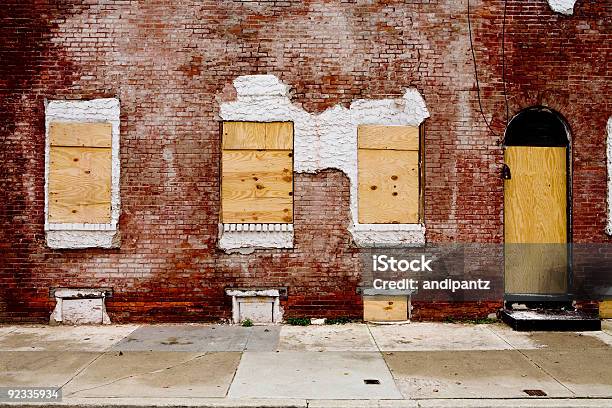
[83, 369]
[531, 361]
[159, 370]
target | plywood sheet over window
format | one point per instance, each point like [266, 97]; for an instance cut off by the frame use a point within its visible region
[258, 136]
[80, 173]
[257, 172]
[389, 176]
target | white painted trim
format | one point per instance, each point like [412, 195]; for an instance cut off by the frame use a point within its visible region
[329, 140]
[78, 235]
[609, 167]
[272, 294]
[62, 294]
[565, 7]
[246, 238]
[244, 227]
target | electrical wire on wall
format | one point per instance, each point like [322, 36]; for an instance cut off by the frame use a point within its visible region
[504, 62]
[503, 68]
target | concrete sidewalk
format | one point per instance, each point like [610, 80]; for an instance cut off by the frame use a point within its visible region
[353, 365]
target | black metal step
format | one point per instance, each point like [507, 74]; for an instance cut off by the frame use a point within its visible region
[549, 320]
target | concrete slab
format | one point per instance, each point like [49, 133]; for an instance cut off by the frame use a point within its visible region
[155, 374]
[184, 402]
[330, 375]
[587, 372]
[263, 338]
[516, 339]
[602, 336]
[436, 336]
[606, 325]
[41, 368]
[6, 330]
[362, 404]
[569, 340]
[64, 338]
[516, 403]
[200, 338]
[469, 374]
[349, 337]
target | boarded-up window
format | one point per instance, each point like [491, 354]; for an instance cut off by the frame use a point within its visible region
[257, 172]
[80, 173]
[388, 165]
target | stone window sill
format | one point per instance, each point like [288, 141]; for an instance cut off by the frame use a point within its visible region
[388, 235]
[246, 238]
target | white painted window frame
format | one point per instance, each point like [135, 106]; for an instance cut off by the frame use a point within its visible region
[85, 235]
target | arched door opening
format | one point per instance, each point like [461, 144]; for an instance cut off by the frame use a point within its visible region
[537, 206]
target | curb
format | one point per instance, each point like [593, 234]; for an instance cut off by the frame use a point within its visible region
[303, 403]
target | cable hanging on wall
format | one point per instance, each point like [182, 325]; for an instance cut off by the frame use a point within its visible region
[476, 69]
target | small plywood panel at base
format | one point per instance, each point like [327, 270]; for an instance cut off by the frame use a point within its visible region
[78, 134]
[535, 220]
[258, 136]
[257, 186]
[388, 186]
[605, 309]
[79, 185]
[388, 137]
[382, 308]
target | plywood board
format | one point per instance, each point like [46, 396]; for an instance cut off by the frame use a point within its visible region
[382, 308]
[244, 135]
[388, 137]
[257, 186]
[535, 214]
[536, 268]
[245, 185]
[258, 211]
[279, 136]
[605, 309]
[79, 185]
[258, 136]
[79, 134]
[388, 186]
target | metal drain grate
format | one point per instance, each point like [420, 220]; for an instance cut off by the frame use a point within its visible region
[371, 381]
[535, 393]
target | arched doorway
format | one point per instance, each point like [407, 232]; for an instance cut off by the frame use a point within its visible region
[537, 206]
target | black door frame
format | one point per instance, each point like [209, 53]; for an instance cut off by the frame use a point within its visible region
[567, 143]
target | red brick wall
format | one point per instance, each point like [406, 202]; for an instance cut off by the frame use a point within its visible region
[171, 65]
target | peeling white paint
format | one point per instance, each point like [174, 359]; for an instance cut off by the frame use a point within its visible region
[259, 306]
[609, 163]
[388, 235]
[246, 242]
[562, 6]
[85, 235]
[328, 141]
[79, 306]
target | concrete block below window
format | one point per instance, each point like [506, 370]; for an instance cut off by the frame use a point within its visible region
[258, 306]
[79, 306]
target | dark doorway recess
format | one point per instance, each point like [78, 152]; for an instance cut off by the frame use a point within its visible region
[537, 126]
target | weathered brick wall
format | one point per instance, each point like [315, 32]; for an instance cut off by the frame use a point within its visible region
[171, 66]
